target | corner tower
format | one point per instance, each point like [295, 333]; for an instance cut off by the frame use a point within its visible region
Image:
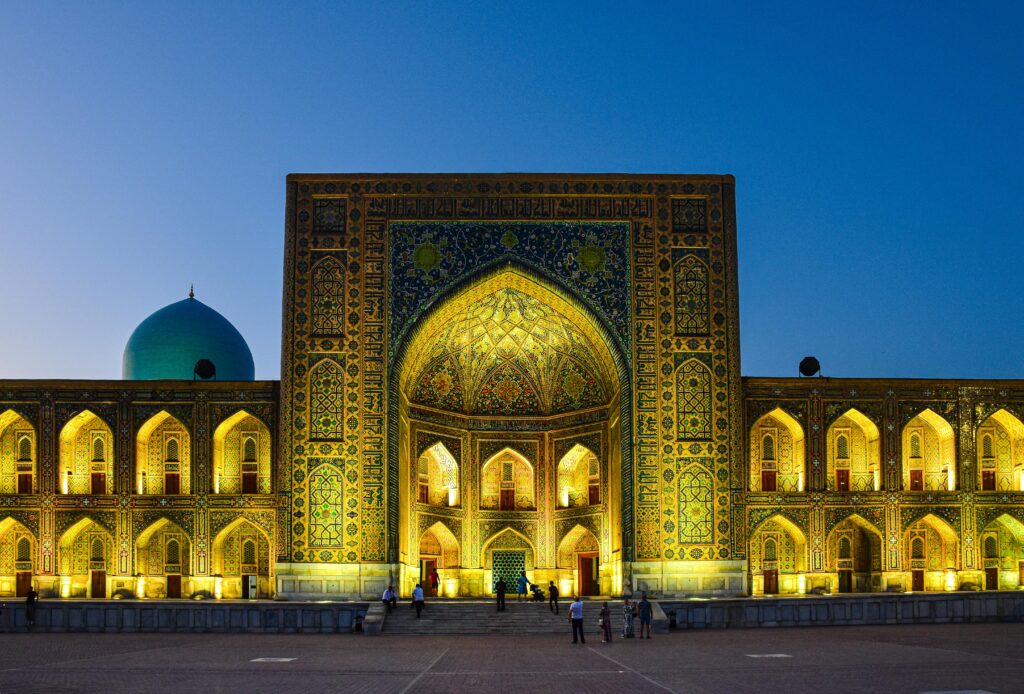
[571, 340]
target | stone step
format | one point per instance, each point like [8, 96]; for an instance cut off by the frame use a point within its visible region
[481, 617]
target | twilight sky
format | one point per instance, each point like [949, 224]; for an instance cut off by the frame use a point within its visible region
[877, 151]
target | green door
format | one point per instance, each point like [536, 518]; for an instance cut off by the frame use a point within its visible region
[507, 563]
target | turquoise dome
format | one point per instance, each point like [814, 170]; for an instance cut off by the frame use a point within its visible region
[170, 342]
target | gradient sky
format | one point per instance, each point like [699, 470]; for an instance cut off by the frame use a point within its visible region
[877, 151]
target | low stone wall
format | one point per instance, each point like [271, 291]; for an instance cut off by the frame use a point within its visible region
[183, 616]
[846, 610]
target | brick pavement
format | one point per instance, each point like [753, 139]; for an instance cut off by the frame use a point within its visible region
[841, 659]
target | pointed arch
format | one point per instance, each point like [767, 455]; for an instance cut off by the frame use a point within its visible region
[696, 505]
[242, 449]
[86, 456]
[932, 545]
[327, 298]
[507, 481]
[77, 560]
[163, 456]
[862, 558]
[1000, 450]
[18, 550]
[508, 538]
[327, 401]
[222, 543]
[579, 478]
[162, 549]
[929, 455]
[438, 477]
[577, 539]
[780, 464]
[853, 451]
[691, 294]
[17, 454]
[777, 555]
[444, 545]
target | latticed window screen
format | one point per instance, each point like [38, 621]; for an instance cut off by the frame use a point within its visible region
[845, 548]
[690, 279]
[842, 446]
[917, 548]
[249, 552]
[24, 552]
[96, 550]
[915, 446]
[986, 446]
[249, 449]
[173, 552]
[506, 471]
[771, 552]
[693, 401]
[99, 449]
[991, 547]
[768, 447]
[25, 448]
[172, 450]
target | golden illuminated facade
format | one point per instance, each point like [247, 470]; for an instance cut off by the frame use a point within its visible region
[489, 374]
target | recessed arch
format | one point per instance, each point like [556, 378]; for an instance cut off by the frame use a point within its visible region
[853, 451]
[231, 561]
[163, 456]
[86, 456]
[507, 482]
[509, 538]
[1000, 450]
[17, 454]
[929, 455]
[163, 555]
[242, 450]
[444, 545]
[438, 477]
[777, 555]
[82, 572]
[578, 478]
[577, 539]
[777, 456]
[931, 550]
[854, 550]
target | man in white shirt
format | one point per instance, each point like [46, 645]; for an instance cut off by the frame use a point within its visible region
[576, 617]
[417, 599]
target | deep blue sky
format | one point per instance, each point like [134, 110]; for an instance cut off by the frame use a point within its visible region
[877, 152]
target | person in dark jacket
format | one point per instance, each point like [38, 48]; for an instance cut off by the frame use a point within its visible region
[500, 588]
[553, 597]
[30, 606]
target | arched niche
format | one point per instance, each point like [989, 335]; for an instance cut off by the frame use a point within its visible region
[777, 453]
[853, 451]
[777, 556]
[17, 454]
[438, 477]
[1000, 453]
[929, 455]
[163, 456]
[579, 478]
[242, 449]
[86, 456]
[507, 482]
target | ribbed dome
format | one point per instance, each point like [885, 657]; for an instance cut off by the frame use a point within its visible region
[170, 342]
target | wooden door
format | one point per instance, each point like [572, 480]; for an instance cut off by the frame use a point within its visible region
[24, 482]
[99, 483]
[508, 499]
[589, 573]
[845, 581]
[246, 593]
[594, 494]
[992, 578]
[767, 480]
[917, 580]
[24, 582]
[1020, 573]
[842, 480]
[427, 566]
[988, 480]
[249, 483]
[771, 581]
[174, 586]
[916, 480]
[172, 483]
[98, 589]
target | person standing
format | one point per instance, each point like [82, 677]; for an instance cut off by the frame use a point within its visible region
[553, 597]
[628, 612]
[500, 588]
[30, 605]
[644, 610]
[576, 617]
[606, 624]
[521, 588]
[435, 581]
[417, 599]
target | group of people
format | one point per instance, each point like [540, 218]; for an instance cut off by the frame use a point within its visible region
[631, 610]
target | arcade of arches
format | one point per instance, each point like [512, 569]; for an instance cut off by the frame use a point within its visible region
[511, 444]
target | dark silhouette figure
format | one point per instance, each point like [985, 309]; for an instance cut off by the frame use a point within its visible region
[30, 606]
[500, 589]
[553, 597]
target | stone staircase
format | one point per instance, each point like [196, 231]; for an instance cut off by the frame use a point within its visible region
[468, 616]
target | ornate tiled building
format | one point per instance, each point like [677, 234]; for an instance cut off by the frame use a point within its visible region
[494, 373]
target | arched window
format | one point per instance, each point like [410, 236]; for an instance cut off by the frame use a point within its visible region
[249, 449]
[771, 552]
[24, 551]
[915, 446]
[991, 547]
[249, 552]
[96, 552]
[917, 548]
[99, 449]
[172, 450]
[986, 446]
[845, 548]
[842, 446]
[24, 448]
[173, 552]
[768, 447]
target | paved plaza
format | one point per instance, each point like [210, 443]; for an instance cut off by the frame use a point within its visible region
[985, 657]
